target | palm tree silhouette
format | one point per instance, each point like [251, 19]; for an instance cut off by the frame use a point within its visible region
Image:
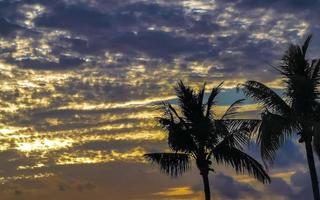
[298, 112]
[193, 132]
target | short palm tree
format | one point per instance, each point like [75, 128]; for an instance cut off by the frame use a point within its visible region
[193, 132]
[297, 112]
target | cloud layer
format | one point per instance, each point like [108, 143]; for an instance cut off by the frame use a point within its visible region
[80, 80]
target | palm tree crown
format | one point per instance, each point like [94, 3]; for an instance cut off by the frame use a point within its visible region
[297, 112]
[193, 132]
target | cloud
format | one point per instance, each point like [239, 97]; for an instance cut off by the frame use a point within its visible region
[158, 44]
[65, 62]
[81, 77]
[298, 188]
[78, 18]
[281, 188]
[226, 187]
[302, 180]
[160, 31]
[287, 4]
[8, 28]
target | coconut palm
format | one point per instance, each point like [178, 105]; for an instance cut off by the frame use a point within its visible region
[296, 113]
[194, 133]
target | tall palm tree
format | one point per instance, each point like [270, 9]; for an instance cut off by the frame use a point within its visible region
[194, 133]
[297, 112]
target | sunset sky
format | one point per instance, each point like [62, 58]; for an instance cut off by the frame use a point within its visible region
[80, 81]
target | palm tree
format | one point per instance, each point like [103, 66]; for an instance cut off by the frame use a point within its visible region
[297, 112]
[194, 133]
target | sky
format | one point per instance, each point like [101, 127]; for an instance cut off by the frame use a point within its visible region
[80, 81]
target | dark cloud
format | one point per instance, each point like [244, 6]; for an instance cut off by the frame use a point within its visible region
[65, 62]
[303, 181]
[281, 188]
[80, 19]
[159, 44]
[147, 14]
[228, 188]
[7, 27]
[299, 188]
[103, 145]
[290, 154]
[286, 4]
[74, 56]
[123, 28]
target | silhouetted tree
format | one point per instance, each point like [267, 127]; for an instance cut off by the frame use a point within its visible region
[193, 132]
[297, 112]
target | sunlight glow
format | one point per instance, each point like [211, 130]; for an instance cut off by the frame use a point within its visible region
[25, 167]
[176, 191]
[82, 83]
[31, 12]
[134, 103]
[4, 180]
[94, 157]
[199, 6]
[45, 144]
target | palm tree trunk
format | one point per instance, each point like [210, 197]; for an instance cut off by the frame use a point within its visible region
[312, 170]
[206, 185]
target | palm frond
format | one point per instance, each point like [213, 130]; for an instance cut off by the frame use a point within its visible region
[316, 69]
[274, 130]
[266, 96]
[243, 125]
[235, 132]
[220, 131]
[306, 45]
[173, 164]
[241, 162]
[214, 92]
[179, 137]
[221, 127]
[294, 62]
[236, 139]
[302, 92]
[232, 110]
[201, 94]
[189, 103]
[173, 112]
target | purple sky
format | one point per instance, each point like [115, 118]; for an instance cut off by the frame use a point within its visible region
[80, 78]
